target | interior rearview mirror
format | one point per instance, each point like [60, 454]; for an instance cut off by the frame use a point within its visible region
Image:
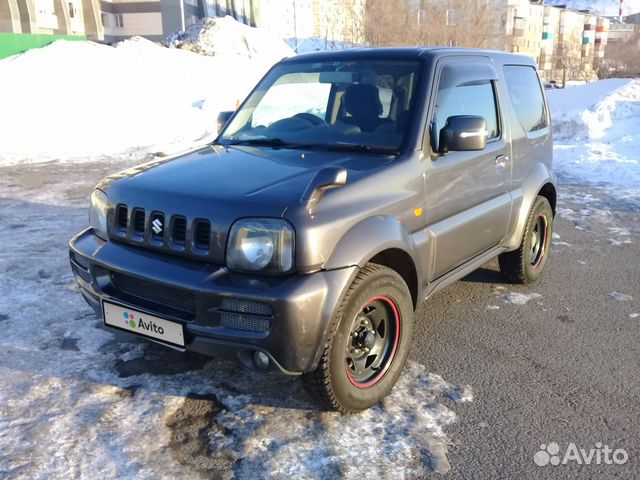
[223, 118]
[463, 133]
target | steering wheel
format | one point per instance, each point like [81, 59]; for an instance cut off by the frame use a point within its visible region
[311, 118]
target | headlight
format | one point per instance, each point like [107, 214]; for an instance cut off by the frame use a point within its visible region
[98, 213]
[260, 245]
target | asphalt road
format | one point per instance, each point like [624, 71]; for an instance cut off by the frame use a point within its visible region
[564, 367]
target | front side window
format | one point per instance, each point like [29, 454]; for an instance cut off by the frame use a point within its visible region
[361, 103]
[526, 96]
[464, 98]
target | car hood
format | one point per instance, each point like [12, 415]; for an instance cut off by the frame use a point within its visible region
[222, 184]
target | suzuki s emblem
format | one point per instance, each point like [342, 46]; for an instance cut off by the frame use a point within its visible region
[156, 226]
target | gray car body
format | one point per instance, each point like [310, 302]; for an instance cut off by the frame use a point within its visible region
[432, 218]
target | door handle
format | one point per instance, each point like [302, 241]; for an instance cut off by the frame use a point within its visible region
[501, 160]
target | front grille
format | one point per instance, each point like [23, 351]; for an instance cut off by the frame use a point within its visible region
[179, 231]
[175, 232]
[246, 323]
[138, 222]
[238, 305]
[122, 220]
[245, 315]
[158, 293]
[202, 234]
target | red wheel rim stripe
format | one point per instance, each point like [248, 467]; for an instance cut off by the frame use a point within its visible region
[544, 244]
[371, 383]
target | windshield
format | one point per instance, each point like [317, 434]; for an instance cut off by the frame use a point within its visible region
[364, 104]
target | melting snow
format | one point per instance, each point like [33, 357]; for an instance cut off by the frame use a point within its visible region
[560, 244]
[619, 297]
[516, 298]
[77, 400]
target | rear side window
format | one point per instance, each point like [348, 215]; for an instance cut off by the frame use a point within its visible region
[470, 98]
[526, 96]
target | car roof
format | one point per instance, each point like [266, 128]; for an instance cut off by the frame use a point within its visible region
[408, 53]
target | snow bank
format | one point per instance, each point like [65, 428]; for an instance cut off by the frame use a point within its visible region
[597, 139]
[73, 100]
[225, 36]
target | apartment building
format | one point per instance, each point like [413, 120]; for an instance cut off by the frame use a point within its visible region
[44, 17]
[337, 21]
[567, 44]
[525, 27]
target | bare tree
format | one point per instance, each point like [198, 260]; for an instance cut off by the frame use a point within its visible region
[386, 22]
[342, 23]
[440, 22]
[621, 60]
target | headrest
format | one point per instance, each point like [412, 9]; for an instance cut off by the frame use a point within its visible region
[362, 96]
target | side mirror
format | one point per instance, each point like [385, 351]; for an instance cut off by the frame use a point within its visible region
[223, 119]
[463, 133]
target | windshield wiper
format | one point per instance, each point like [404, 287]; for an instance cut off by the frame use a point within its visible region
[360, 147]
[268, 142]
[336, 146]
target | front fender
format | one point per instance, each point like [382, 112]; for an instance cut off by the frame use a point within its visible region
[369, 237]
[523, 199]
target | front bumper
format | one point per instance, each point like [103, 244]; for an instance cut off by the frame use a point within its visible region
[223, 314]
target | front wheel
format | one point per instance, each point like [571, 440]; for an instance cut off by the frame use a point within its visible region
[368, 343]
[525, 265]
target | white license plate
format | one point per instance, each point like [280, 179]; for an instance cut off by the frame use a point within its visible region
[144, 324]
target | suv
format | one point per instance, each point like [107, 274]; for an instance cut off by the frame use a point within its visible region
[348, 187]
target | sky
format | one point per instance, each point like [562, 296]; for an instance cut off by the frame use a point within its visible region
[603, 7]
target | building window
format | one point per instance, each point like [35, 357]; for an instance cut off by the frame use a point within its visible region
[103, 19]
[71, 10]
[119, 21]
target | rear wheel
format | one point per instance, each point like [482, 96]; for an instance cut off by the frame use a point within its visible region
[525, 265]
[368, 342]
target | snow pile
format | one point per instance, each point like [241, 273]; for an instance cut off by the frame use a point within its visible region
[597, 139]
[225, 36]
[73, 100]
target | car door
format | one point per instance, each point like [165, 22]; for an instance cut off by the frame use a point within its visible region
[467, 197]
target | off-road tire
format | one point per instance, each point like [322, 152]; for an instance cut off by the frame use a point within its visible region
[518, 265]
[332, 383]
